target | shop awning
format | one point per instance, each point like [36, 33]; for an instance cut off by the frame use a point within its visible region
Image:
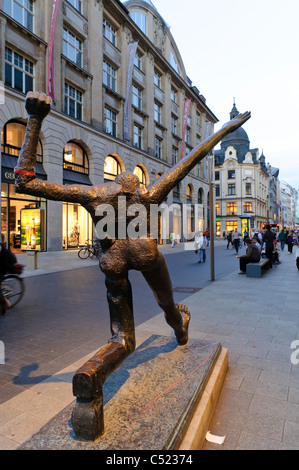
[73, 177]
[8, 164]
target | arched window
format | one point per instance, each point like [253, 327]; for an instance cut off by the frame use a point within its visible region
[248, 207]
[138, 171]
[189, 193]
[75, 158]
[200, 196]
[231, 208]
[111, 168]
[12, 137]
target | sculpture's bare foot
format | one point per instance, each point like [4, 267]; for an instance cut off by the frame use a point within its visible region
[182, 334]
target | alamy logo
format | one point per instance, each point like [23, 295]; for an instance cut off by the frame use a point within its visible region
[295, 353]
[2, 353]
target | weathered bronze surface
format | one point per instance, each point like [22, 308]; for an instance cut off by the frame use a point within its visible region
[118, 257]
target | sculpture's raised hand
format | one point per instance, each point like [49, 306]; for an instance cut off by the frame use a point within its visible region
[238, 121]
[38, 105]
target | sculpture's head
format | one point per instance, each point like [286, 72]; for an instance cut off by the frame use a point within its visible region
[128, 181]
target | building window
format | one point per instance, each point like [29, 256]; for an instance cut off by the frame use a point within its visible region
[231, 189]
[138, 171]
[217, 175]
[138, 61]
[174, 125]
[248, 189]
[157, 113]
[12, 138]
[231, 208]
[111, 168]
[174, 155]
[72, 47]
[140, 20]
[19, 71]
[173, 62]
[75, 158]
[217, 208]
[157, 79]
[110, 122]
[217, 190]
[200, 196]
[76, 4]
[247, 207]
[173, 95]
[231, 174]
[21, 11]
[137, 137]
[109, 32]
[158, 148]
[187, 136]
[189, 193]
[73, 103]
[136, 97]
[109, 76]
[231, 225]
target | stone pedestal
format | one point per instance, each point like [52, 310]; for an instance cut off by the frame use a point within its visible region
[149, 401]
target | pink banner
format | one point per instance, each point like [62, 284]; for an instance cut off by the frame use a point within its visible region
[51, 75]
[185, 121]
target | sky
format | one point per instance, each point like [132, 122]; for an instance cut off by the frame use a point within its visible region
[247, 50]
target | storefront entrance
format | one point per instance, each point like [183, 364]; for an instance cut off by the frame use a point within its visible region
[77, 226]
[11, 205]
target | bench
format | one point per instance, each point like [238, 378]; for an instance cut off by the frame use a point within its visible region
[255, 269]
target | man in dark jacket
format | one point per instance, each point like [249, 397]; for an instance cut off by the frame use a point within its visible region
[268, 239]
[7, 261]
[253, 255]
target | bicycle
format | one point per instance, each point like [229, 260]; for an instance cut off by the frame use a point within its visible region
[13, 287]
[90, 250]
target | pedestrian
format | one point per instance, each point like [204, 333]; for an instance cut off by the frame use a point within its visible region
[297, 256]
[290, 242]
[229, 239]
[207, 235]
[253, 255]
[173, 239]
[236, 236]
[245, 235]
[276, 252]
[268, 239]
[7, 262]
[282, 238]
[200, 246]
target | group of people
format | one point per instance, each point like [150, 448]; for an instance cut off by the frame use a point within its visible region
[270, 244]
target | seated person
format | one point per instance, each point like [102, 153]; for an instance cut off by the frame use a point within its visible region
[256, 242]
[253, 255]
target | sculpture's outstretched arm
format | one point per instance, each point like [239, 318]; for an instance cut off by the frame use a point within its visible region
[38, 106]
[159, 190]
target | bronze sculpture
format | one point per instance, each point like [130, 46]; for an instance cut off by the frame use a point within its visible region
[119, 255]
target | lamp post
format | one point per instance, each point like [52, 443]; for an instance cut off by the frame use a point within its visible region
[212, 224]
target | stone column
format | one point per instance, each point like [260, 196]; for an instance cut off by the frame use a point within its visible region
[2, 48]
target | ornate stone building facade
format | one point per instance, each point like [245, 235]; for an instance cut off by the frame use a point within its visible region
[83, 140]
[242, 184]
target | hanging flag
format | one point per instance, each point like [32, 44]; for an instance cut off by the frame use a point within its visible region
[185, 121]
[132, 54]
[51, 76]
[207, 134]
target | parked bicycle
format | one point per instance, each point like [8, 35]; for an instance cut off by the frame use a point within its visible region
[12, 286]
[90, 250]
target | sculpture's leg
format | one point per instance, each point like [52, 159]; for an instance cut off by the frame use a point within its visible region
[87, 418]
[177, 316]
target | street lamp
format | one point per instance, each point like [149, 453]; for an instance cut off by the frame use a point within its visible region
[212, 225]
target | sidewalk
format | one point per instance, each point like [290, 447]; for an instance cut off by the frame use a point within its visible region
[256, 319]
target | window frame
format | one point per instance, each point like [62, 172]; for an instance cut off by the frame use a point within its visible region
[157, 113]
[137, 97]
[110, 117]
[139, 19]
[78, 103]
[21, 4]
[158, 148]
[76, 167]
[67, 46]
[14, 150]
[109, 32]
[112, 176]
[109, 76]
[77, 4]
[231, 189]
[137, 136]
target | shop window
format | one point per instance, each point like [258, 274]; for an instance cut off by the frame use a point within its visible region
[231, 208]
[75, 158]
[138, 171]
[12, 137]
[231, 225]
[111, 168]
[21, 11]
[248, 207]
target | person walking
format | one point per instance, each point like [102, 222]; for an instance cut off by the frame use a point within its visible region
[282, 238]
[236, 236]
[229, 240]
[268, 239]
[253, 255]
[201, 244]
[290, 242]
